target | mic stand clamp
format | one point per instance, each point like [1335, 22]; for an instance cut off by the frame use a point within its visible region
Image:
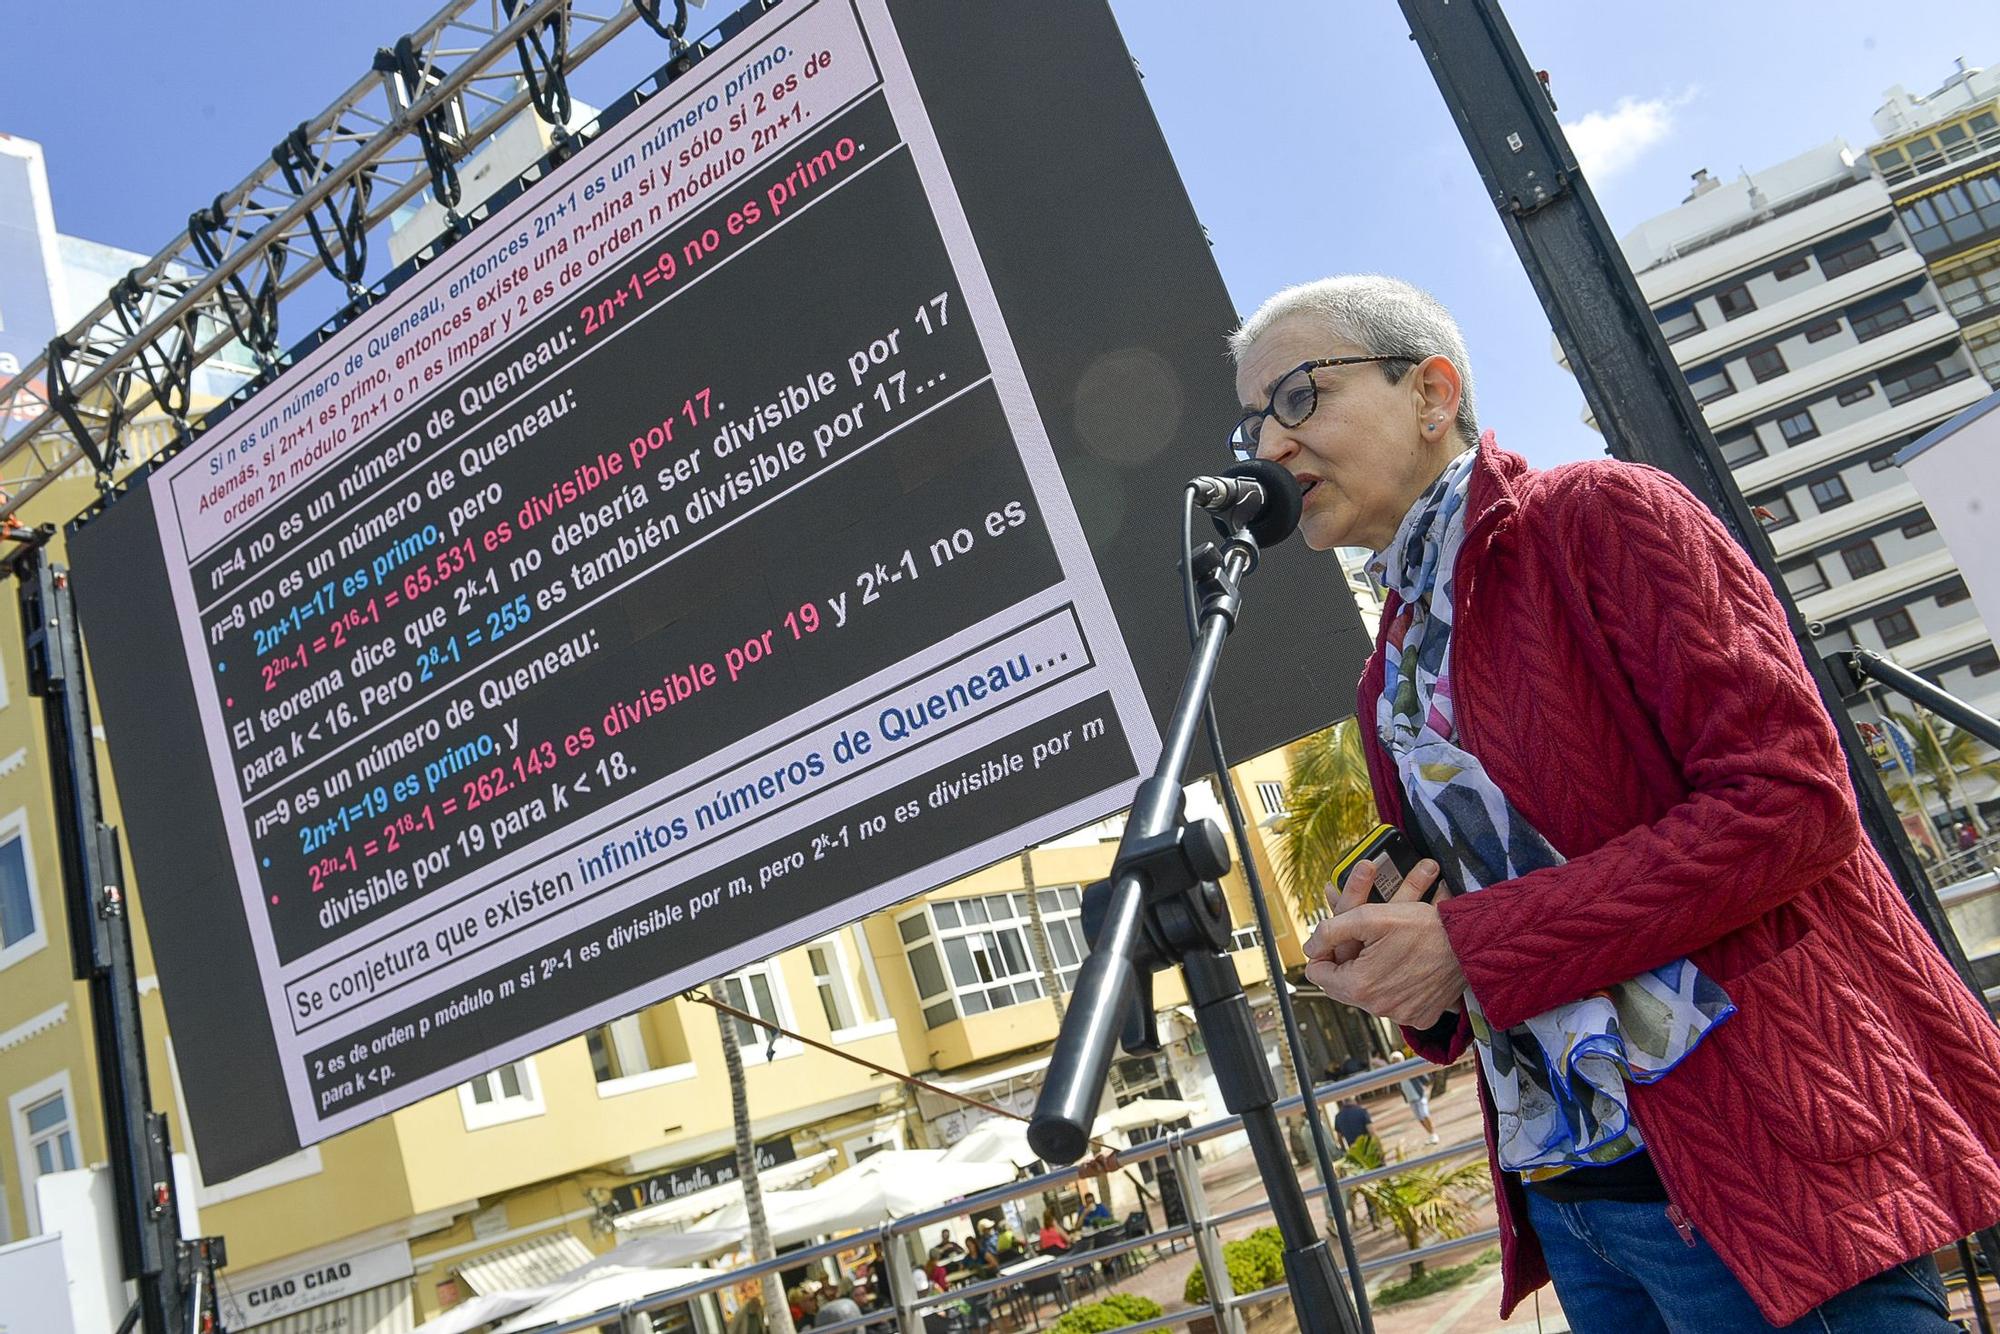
[1160, 907]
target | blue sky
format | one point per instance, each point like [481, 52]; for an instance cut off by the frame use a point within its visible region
[1311, 137]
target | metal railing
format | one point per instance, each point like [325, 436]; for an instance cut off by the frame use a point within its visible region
[896, 1242]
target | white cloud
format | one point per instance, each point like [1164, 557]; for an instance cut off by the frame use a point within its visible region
[1607, 142]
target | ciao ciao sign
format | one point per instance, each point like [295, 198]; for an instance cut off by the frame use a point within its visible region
[301, 1289]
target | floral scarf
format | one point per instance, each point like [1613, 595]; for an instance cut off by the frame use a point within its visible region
[1558, 1080]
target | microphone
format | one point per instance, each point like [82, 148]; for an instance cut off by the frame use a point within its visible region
[1257, 496]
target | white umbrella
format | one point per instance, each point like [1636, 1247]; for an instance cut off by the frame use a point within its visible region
[1143, 1112]
[887, 1185]
[605, 1290]
[997, 1139]
[479, 1312]
[660, 1250]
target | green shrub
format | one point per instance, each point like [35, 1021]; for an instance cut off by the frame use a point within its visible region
[1114, 1312]
[1255, 1262]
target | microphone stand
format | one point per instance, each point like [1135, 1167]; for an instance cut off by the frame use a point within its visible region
[1160, 907]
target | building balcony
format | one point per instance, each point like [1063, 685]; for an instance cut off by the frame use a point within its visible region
[1795, 309]
[1808, 380]
[1908, 416]
[1817, 531]
[1792, 231]
[1939, 645]
[1845, 600]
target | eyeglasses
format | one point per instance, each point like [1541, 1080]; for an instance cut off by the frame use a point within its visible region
[1293, 399]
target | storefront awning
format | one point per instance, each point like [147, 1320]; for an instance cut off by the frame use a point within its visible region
[701, 1203]
[525, 1264]
[384, 1310]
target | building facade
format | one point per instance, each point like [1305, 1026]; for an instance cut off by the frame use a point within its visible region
[1816, 340]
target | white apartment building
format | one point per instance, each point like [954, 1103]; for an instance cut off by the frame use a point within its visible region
[1813, 336]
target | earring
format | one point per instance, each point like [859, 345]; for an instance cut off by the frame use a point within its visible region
[1431, 427]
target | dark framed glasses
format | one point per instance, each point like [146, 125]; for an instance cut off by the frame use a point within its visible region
[1293, 399]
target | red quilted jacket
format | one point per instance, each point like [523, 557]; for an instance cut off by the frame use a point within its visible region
[1624, 673]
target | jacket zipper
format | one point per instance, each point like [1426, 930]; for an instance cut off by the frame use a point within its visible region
[1680, 1222]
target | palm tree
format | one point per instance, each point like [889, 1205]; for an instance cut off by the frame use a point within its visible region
[1038, 936]
[777, 1312]
[1946, 756]
[1424, 1199]
[1330, 806]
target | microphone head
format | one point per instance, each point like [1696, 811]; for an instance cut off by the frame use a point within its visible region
[1279, 518]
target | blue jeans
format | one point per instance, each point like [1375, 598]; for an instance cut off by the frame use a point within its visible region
[1625, 1269]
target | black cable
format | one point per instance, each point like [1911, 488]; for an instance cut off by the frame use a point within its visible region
[1274, 966]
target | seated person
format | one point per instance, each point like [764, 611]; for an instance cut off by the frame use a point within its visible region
[947, 1251]
[1095, 1213]
[1053, 1241]
[1006, 1246]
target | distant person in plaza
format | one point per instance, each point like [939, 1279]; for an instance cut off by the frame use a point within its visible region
[1728, 1082]
[1352, 1121]
[1095, 1213]
[1053, 1238]
[841, 1306]
[946, 1249]
[1416, 1091]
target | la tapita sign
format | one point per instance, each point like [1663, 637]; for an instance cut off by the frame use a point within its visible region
[283, 1293]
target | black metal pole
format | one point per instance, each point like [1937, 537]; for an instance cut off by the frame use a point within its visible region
[100, 935]
[1159, 907]
[1941, 702]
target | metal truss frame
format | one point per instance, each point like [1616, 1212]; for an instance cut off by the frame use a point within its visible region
[427, 104]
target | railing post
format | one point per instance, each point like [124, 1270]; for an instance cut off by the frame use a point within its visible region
[1207, 1241]
[902, 1290]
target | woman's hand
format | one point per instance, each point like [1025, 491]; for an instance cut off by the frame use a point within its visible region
[1391, 959]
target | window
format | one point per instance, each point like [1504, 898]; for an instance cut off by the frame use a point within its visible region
[1790, 269]
[1805, 580]
[973, 955]
[1735, 302]
[1985, 350]
[1955, 591]
[1830, 493]
[1245, 938]
[1881, 320]
[1891, 163]
[1711, 384]
[1851, 256]
[1908, 382]
[44, 1136]
[1822, 331]
[1740, 447]
[510, 1093]
[1766, 364]
[1972, 287]
[1778, 512]
[1798, 428]
[759, 990]
[849, 995]
[1918, 527]
[1986, 663]
[1862, 559]
[1271, 796]
[640, 1050]
[1849, 397]
[1678, 321]
[1895, 627]
[22, 930]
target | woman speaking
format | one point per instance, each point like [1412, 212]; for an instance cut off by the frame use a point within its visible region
[1728, 1082]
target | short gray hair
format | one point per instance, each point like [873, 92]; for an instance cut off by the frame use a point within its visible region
[1386, 316]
